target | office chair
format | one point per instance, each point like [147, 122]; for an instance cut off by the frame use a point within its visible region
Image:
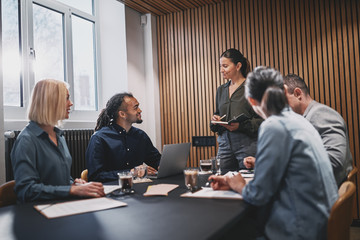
[340, 217]
[7, 194]
[352, 175]
[84, 175]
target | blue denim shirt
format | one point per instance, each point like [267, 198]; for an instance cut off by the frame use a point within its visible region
[293, 182]
[41, 169]
[112, 149]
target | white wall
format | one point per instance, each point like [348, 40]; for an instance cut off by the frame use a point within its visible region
[143, 71]
[113, 49]
[2, 143]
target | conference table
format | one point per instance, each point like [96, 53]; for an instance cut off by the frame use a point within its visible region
[155, 217]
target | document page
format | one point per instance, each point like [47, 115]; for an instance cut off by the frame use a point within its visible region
[210, 193]
[77, 207]
[219, 122]
[160, 189]
[110, 188]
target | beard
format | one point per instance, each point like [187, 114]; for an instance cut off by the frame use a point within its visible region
[139, 121]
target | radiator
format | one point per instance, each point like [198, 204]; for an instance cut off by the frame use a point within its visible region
[77, 141]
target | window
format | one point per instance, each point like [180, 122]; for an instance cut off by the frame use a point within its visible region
[11, 53]
[82, 5]
[48, 43]
[84, 59]
[57, 41]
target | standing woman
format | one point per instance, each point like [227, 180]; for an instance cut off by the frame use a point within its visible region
[40, 157]
[238, 139]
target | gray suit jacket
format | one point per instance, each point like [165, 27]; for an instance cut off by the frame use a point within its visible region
[332, 129]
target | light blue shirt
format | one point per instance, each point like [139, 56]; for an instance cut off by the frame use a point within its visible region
[41, 169]
[293, 179]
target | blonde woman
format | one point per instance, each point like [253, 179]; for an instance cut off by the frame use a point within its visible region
[40, 157]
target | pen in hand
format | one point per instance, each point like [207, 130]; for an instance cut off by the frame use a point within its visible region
[207, 184]
[223, 116]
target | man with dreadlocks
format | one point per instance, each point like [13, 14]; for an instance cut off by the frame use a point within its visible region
[117, 145]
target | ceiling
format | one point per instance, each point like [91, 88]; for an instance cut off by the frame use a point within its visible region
[163, 7]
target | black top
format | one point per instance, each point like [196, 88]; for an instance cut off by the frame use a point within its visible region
[112, 149]
[234, 107]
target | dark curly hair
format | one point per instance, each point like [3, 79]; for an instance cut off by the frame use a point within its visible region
[109, 114]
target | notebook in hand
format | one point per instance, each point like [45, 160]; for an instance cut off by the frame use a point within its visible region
[242, 117]
[173, 160]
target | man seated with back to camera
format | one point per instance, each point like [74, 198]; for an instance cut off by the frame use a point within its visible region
[116, 145]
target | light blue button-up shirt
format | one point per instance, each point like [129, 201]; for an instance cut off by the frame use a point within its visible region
[41, 169]
[293, 180]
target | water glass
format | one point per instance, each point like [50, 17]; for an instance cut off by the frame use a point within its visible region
[140, 172]
[217, 165]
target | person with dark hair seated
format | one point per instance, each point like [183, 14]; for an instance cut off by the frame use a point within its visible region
[117, 145]
[293, 186]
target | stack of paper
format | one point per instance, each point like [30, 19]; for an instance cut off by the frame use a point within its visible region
[142, 180]
[77, 207]
[210, 193]
[110, 188]
[160, 189]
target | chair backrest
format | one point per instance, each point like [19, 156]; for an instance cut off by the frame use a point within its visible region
[340, 217]
[352, 175]
[7, 194]
[84, 175]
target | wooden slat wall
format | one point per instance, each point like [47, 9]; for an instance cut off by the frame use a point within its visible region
[316, 39]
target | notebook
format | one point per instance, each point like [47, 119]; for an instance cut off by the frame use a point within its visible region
[173, 160]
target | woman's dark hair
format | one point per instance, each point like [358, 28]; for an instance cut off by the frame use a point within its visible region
[236, 56]
[267, 87]
[109, 114]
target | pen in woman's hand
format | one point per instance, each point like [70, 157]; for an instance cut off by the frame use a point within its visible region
[223, 116]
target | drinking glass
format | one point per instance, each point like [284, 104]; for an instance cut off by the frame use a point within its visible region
[191, 178]
[206, 165]
[126, 181]
[140, 172]
[217, 165]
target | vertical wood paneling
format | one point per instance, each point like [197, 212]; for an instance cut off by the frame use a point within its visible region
[335, 55]
[316, 39]
[323, 51]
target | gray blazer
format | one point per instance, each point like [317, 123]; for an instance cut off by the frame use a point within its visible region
[332, 129]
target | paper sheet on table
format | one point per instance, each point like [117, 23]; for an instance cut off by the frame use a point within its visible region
[142, 180]
[160, 189]
[110, 188]
[210, 193]
[77, 207]
[247, 173]
[244, 173]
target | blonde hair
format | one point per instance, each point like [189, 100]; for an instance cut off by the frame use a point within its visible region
[48, 102]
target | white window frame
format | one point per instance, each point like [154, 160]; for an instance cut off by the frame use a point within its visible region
[15, 117]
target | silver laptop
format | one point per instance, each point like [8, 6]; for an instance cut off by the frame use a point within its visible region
[173, 160]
